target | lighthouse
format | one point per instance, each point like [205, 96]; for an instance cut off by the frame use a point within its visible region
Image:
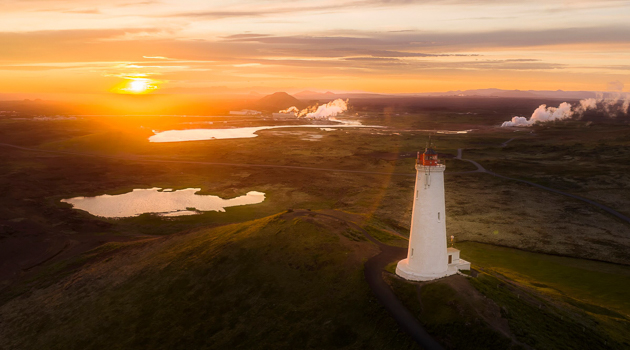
[428, 257]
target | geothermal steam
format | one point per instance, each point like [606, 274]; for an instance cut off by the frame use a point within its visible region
[290, 110]
[590, 108]
[326, 111]
[542, 114]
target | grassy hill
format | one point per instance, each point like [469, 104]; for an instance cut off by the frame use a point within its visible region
[287, 281]
[523, 300]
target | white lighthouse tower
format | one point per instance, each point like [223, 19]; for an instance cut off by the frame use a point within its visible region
[428, 256]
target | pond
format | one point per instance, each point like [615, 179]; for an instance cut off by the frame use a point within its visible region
[163, 202]
[234, 133]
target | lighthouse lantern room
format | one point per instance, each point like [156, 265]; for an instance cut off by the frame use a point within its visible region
[428, 257]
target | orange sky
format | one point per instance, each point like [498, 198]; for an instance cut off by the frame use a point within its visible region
[67, 48]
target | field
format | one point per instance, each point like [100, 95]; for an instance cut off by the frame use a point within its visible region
[365, 172]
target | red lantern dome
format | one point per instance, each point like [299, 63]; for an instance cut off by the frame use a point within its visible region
[428, 158]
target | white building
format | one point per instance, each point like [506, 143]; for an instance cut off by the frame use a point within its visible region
[245, 112]
[428, 257]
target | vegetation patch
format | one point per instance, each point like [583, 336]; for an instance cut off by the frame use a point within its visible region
[449, 316]
[284, 282]
[596, 283]
[541, 324]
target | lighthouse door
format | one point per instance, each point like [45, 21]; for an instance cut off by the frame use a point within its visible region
[450, 259]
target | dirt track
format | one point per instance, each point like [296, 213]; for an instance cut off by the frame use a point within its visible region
[481, 169]
[374, 268]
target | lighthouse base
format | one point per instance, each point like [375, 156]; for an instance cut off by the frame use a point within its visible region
[403, 270]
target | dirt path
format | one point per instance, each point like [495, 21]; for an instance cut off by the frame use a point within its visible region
[374, 268]
[504, 144]
[481, 169]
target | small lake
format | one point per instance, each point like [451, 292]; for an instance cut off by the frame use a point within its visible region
[163, 202]
[234, 133]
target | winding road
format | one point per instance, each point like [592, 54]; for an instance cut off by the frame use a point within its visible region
[374, 268]
[481, 169]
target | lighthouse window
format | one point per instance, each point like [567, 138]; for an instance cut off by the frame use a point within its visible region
[411, 251]
[438, 216]
[417, 194]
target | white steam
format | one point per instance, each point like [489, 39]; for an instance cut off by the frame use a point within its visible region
[612, 107]
[542, 114]
[326, 111]
[290, 110]
[331, 109]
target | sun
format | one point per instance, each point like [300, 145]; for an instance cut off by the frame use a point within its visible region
[138, 86]
[135, 85]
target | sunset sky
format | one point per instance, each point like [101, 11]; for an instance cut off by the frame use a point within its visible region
[238, 46]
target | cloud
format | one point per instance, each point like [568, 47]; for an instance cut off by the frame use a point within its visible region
[298, 7]
[455, 40]
[376, 54]
[267, 10]
[615, 86]
[89, 44]
[76, 45]
[93, 11]
[373, 59]
[157, 57]
[327, 56]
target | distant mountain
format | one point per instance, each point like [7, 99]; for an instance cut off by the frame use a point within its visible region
[559, 94]
[312, 95]
[516, 94]
[328, 95]
[490, 93]
[278, 101]
[571, 94]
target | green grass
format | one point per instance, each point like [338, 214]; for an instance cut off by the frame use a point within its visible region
[592, 282]
[550, 302]
[54, 272]
[170, 289]
[542, 325]
[455, 165]
[449, 316]
[280, 282]
[386, 237]
[391, 268]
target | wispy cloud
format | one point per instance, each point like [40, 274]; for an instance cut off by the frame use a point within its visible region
[246, 9]
[157, 57]
[92, 11]
[115, 45]
[455, 39]
[258, 42]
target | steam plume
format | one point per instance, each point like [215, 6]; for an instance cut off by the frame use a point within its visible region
[587, 109]
[331, 109]
[326, 111]
[542, 114]
[289, 110]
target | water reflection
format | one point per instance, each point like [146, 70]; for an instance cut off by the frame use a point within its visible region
[164, 202]
[234, 133]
